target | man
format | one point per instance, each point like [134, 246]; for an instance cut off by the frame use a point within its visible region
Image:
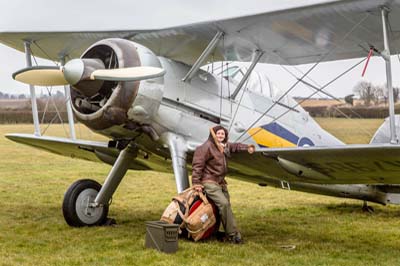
[209, 168]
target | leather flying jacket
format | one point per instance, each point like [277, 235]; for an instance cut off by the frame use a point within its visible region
[209, 160]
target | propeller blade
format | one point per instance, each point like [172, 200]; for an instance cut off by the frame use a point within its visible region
[71, 73]
[41, 76]
[128, 74]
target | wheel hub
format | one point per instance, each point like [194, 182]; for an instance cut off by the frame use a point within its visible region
[86, 210]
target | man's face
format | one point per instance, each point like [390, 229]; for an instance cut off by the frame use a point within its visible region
[220, 135]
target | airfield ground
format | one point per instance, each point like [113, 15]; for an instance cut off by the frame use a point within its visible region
[323, 230]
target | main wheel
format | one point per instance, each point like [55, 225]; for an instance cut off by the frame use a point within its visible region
[77, 209]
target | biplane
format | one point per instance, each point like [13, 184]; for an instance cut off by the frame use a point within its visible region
[134, 72]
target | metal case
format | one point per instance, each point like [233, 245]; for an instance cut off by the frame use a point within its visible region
[162, 236]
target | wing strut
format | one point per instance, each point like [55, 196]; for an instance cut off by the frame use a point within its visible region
[386, 56]
[210, 47]
[257, 56]
[35, 114]
[67, 91]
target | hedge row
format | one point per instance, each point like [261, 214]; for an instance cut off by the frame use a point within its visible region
[25, 117]
[354, 112]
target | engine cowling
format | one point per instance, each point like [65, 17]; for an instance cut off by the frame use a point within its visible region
[103, 104]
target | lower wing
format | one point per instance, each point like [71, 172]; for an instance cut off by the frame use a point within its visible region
[86, 150]
[347, 164]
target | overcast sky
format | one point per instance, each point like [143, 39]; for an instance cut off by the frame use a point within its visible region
[12, 60]
[16, 16]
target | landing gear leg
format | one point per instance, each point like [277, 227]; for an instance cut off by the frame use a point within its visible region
[178, 149]
[367, 208]
[86, 201]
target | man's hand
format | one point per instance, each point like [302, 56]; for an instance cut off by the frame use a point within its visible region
[198, 188]
[251, 149]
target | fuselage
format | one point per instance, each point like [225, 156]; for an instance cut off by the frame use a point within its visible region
[149, 111]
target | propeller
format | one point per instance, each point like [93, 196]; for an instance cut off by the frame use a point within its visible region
[78, 70]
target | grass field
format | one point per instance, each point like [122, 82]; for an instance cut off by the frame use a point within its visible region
[324, 230]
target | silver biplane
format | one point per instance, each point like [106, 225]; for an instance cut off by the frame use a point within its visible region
[142, 83]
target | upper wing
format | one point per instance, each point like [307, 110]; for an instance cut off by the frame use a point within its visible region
[290, 32]
[347, 164]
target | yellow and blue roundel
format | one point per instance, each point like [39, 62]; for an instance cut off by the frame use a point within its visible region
[274, 135]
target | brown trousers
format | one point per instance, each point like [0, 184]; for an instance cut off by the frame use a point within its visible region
[221, 198]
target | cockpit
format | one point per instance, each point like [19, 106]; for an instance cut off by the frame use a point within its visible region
[257, 83]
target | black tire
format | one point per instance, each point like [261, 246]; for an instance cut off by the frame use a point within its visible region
[76, 199]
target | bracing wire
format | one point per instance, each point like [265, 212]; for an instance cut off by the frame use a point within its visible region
[229, 92]
[305, 74]
[47, 102]
[311, 95]
[44, 111]
[44, 52]
[241, 97]
[212, 64]
[301, 72]
[315, 83]
[67, 96]
[220, 96]
[238, 105]
[222, 79]
[54, 105]
[331, 96]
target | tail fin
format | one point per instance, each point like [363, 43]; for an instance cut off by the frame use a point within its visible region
[382, 135]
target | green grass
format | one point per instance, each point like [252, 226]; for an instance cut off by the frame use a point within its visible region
[351, 131]
[325, 230]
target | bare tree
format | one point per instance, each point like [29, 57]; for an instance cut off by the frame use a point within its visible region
[366, 91]
[379, 94]
[396, 91]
